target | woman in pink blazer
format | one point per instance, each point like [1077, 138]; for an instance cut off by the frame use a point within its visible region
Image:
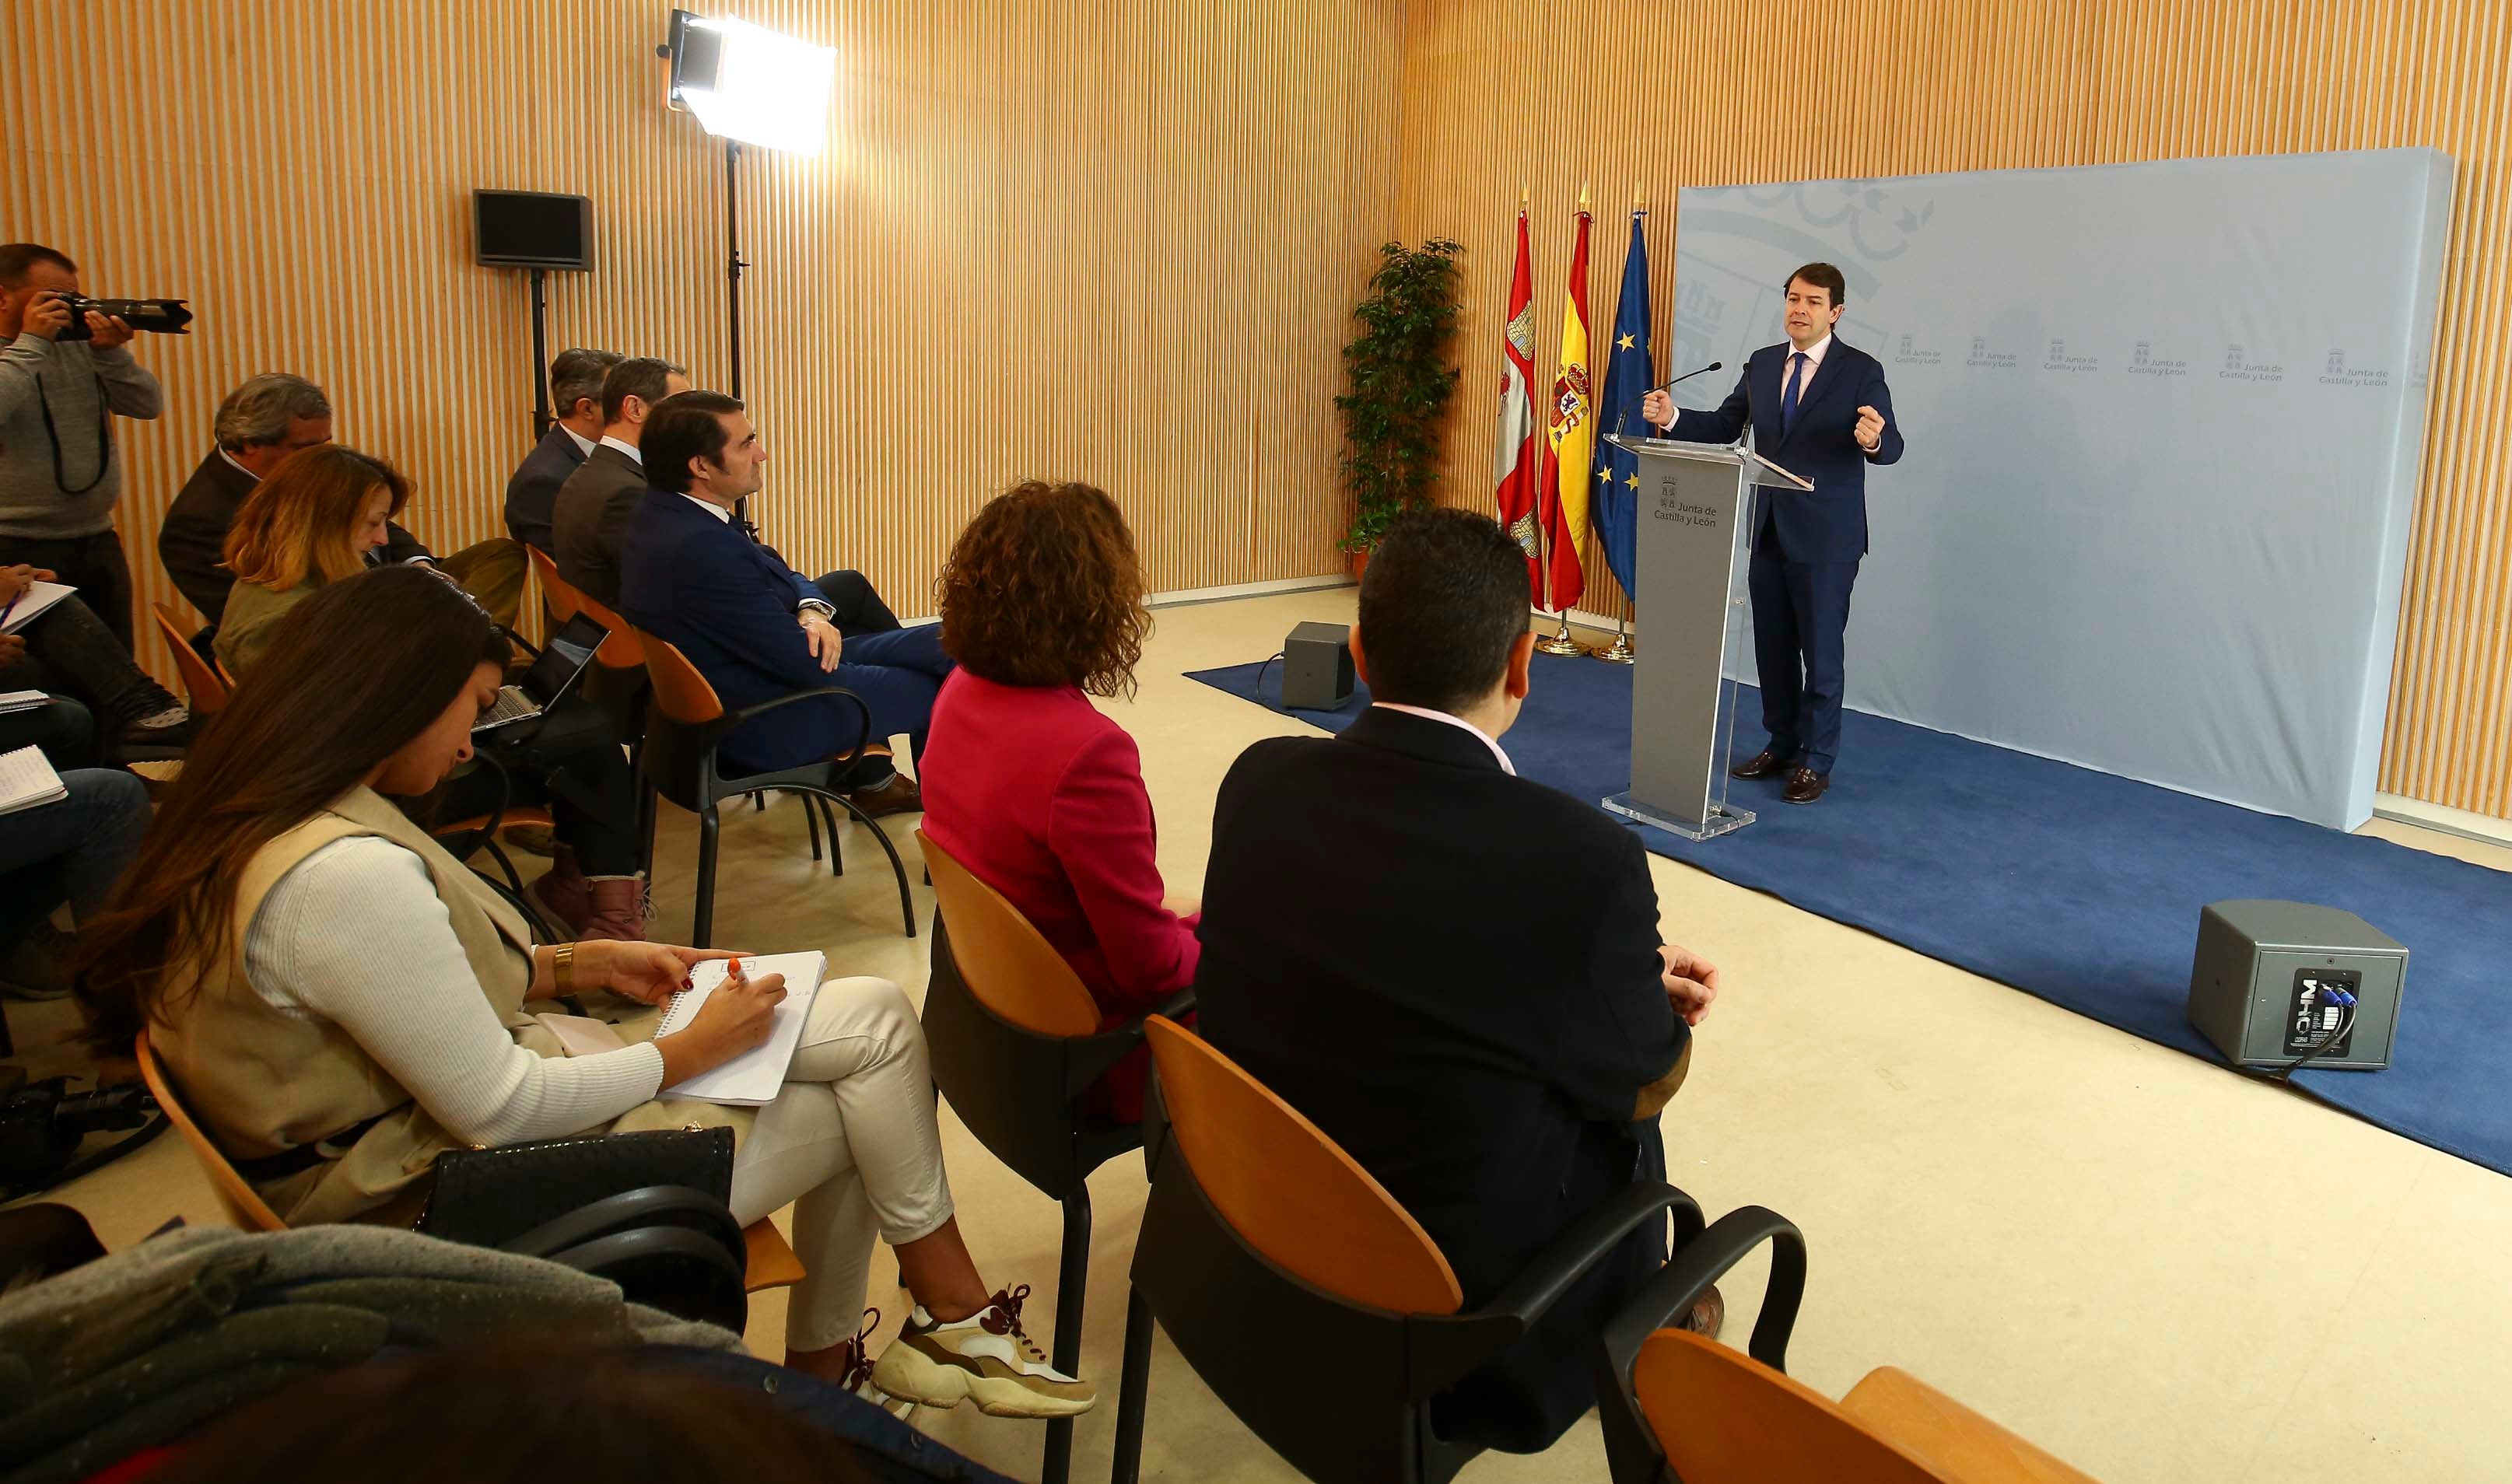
[1028, 784]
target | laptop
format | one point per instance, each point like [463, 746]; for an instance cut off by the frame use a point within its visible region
[563, 663]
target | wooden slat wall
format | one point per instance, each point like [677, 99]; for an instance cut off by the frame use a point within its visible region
[1106, 241]
[1500, 95]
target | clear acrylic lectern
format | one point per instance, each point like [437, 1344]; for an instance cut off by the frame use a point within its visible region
[1696, 512]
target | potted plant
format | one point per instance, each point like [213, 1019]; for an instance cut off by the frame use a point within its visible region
[1398, 382]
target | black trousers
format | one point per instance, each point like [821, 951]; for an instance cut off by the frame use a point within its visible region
[573, 764]
[94, 565]
[860, 609]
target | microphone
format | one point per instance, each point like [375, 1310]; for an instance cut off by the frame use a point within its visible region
[1686, 376]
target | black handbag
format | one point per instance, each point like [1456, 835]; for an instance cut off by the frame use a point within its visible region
[648, 1211]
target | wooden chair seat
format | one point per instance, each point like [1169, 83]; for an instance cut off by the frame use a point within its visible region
[770, 1261]
[1723, 1418]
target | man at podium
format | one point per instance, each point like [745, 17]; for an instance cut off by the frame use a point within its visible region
[1820, 409]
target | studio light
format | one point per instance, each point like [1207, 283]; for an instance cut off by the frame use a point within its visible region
[753, 85]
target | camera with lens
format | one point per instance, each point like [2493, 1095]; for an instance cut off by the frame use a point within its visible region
[42, 1122]
[165, 317]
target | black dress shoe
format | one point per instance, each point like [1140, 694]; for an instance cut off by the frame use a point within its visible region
[1761, 764]
[1805, 786]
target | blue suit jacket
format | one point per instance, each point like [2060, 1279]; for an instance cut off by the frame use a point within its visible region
[1827, 522]
[728, 604]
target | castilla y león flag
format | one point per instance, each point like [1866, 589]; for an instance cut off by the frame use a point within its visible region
[1516, 463]
[1570, 439]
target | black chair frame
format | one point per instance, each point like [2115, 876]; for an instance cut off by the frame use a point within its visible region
[1341, 1390]
[680, 760]
[1023, 1095]
[1632, 1449]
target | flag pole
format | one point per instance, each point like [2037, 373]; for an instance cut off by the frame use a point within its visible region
[1560, 641]
[1620, 651]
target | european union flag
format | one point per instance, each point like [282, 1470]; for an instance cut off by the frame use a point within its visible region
[1628, 375]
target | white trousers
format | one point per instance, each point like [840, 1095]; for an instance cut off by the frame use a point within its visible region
[853, 1145]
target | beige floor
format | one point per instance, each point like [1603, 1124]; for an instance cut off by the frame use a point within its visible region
[2155, 1269]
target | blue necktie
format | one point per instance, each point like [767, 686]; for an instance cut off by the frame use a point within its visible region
[1788, 396]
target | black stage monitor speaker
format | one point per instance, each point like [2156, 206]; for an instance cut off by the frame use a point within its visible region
[533, 229]
[1316, 667]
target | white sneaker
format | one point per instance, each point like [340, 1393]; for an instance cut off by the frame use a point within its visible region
[164, 720]
[986, 1359]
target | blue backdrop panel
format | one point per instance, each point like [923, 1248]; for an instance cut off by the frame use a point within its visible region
[2073, 885]
[2164, 424]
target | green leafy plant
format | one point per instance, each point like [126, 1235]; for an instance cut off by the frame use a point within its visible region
[1399, 383]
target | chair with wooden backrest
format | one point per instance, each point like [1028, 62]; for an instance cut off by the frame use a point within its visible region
[771, 1262]
[1303, 1296]
[1683, 1409]
[688, 721]
[205, 689]
[558, 599]
[1017, 1047]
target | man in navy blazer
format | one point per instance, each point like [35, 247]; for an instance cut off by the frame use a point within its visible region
[753, 626]
[1820, 409]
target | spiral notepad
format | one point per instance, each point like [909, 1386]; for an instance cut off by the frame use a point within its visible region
[751, 1080]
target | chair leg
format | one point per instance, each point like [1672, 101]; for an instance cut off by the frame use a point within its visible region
[829, 816]
[647, 806]
[811, 819]
[702, 925]
[1133, 1389]
[906, 903]
[1072, 1283]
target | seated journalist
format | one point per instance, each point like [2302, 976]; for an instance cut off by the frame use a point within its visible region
[1452, 971]
[341, 1002]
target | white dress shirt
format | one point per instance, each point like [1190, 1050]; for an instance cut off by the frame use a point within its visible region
[584, 446]
[1480, 735]
[629, 449]
[708, 506]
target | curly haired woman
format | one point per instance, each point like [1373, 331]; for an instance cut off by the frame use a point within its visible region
[1030, 786]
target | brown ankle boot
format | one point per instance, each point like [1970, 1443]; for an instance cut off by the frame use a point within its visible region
[562, 892]
[618, 909]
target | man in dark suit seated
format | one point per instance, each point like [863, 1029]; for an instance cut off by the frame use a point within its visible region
[590, 521]
[575, 390]
[259, 424]
[1455, 972]
[753, 626]
[1820, 409]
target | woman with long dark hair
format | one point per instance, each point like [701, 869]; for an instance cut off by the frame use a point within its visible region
[340, 1000]
[1029, 785]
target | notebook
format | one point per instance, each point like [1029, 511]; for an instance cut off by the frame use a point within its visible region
[31, 603]
[27, 780]
[23, 700]
[753, 1079]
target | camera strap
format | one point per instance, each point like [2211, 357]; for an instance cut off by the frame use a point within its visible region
[104, 438]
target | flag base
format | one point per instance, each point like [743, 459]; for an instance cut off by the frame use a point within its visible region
[1619, 653]
[1561, 643]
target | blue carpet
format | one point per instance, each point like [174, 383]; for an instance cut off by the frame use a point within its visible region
[2077, 886]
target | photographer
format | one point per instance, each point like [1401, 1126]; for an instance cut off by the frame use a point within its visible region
[59, 473]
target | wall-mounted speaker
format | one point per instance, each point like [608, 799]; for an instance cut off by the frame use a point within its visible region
[533, 229]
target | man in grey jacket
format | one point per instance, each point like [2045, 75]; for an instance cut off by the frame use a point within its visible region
[60, 472]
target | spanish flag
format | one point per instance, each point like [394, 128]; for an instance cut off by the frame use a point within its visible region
[1570, 440]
